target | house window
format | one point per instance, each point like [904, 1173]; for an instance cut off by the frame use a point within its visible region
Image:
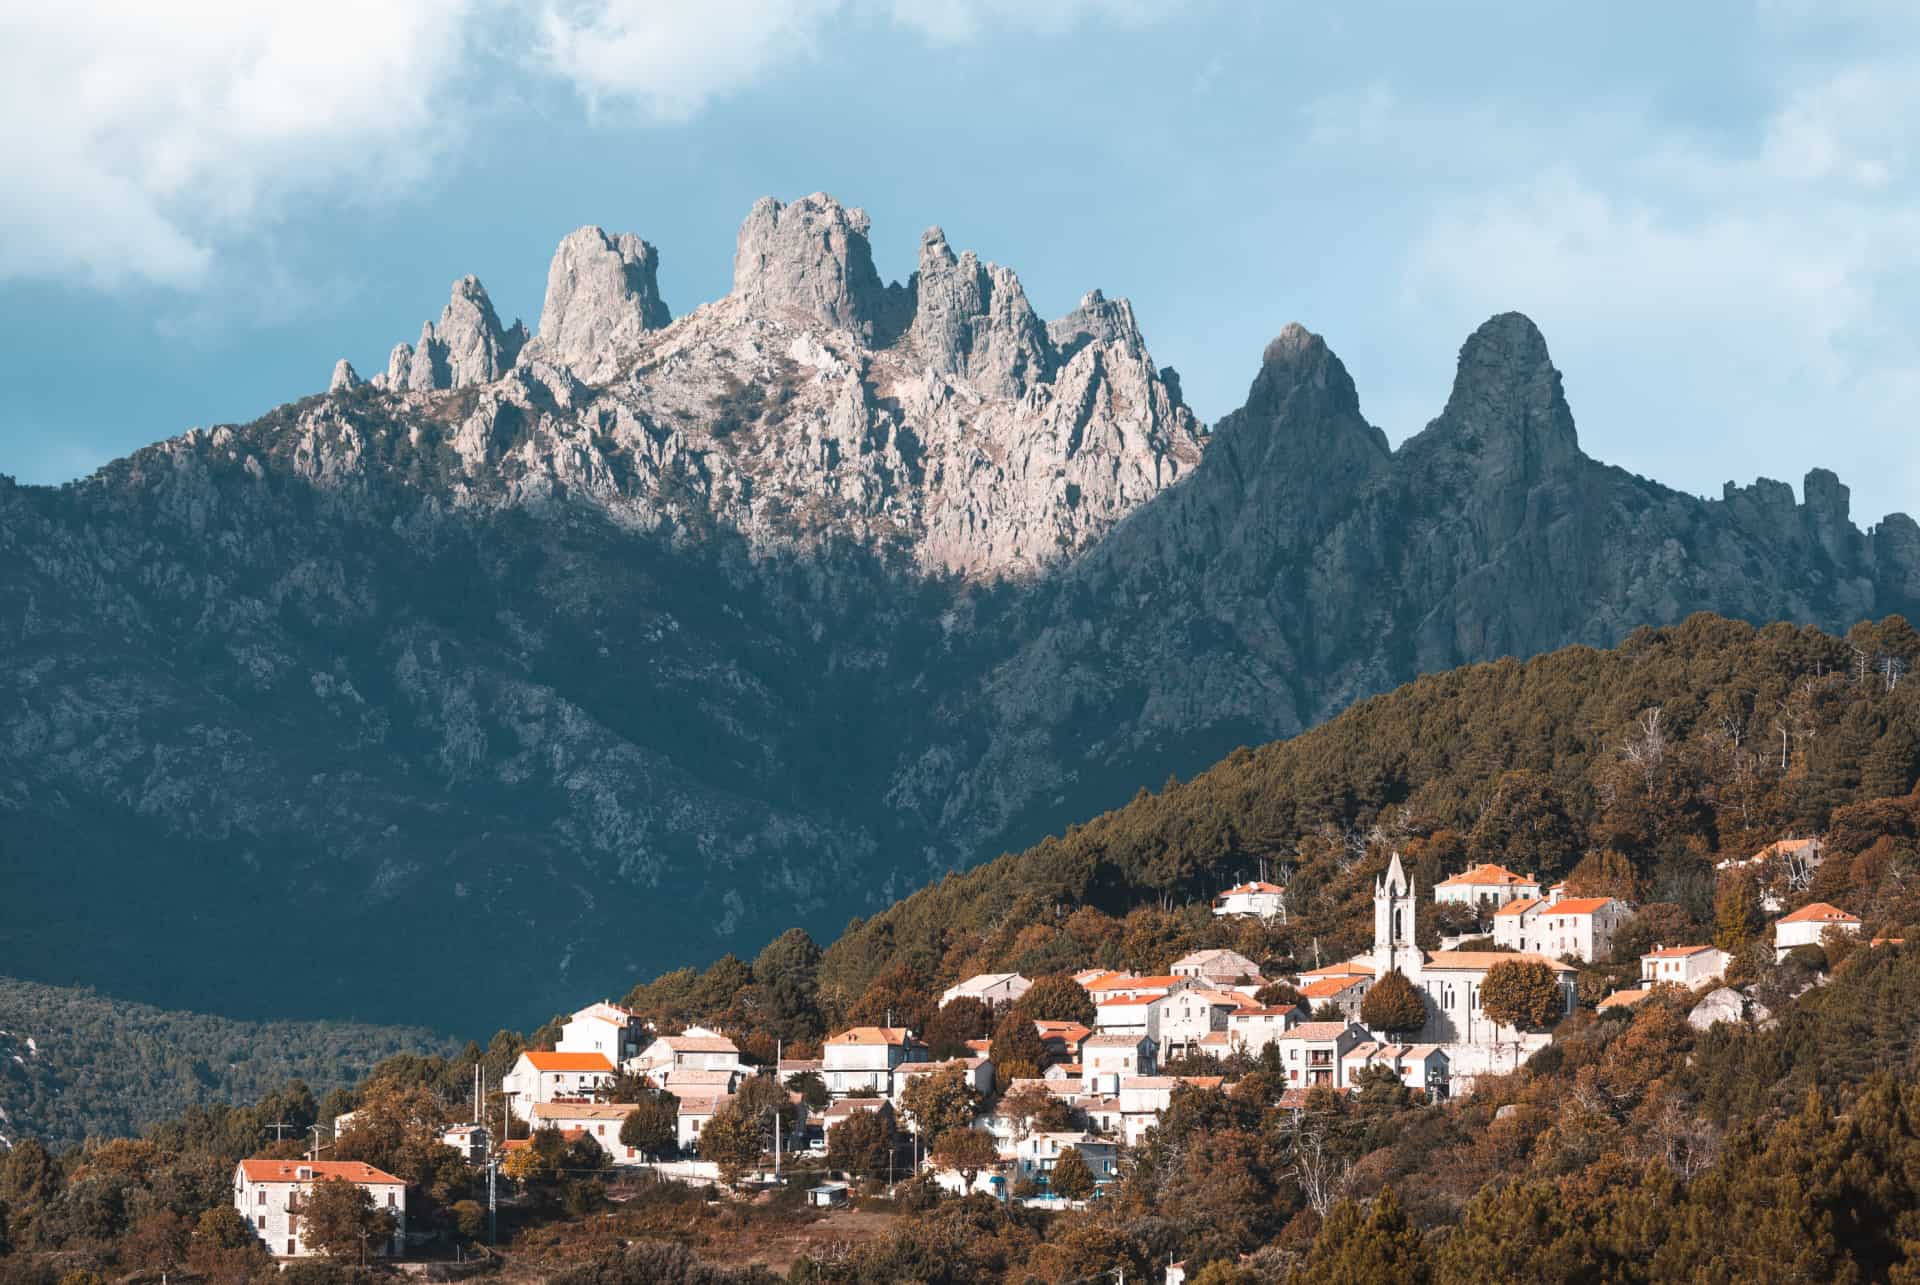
[389, 1200]
[291, 1250]
[263, 1197]
[293, 1223]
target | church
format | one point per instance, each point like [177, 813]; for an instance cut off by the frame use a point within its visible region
[1449, 979]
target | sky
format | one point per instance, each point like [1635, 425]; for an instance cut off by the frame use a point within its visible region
[1711, 209]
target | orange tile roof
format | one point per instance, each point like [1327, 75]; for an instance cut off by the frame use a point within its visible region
[1487, 875]
[547, 1060]
[1624, 999]
[1328, 987]
[289, 1171]
[1520, 906]
[1119, 1000]
[1820, 913]
[699, 1043]
[1255, 886]
[1485, 959]
[874, 1035]
[1348, 969]
[1272, 1010]
[1315, 1031]
[1675, 952]
[1576, 906]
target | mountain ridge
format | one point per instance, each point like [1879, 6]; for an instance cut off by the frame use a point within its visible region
[674, 631]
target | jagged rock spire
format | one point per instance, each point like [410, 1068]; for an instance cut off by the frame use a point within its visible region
[603, 294]
[973, 320]
[1507, 404]
[467, 346]
[345, 378]
[813, 258]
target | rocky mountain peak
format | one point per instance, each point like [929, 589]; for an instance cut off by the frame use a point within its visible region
[603, 295]
[1098, 320]
[466, 346]
[813, 258]
[1295, 362]
[973, 321]
[1507, 403]
[345, 377]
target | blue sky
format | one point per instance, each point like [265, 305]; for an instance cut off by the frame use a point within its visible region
[1711, 209]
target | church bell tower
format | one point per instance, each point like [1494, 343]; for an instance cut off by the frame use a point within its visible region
[1393, 919]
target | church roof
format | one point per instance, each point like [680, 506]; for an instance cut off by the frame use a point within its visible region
[1479, 961]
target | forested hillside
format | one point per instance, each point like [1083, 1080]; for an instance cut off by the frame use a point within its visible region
[1631, 769]
[74, 1064]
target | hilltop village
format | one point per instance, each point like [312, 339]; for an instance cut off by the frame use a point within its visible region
[1037, 1090]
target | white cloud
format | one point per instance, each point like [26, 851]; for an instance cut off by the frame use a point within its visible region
[137, 137]
[142, 140]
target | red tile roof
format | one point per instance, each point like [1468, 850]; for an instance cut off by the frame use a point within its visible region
[1520, 906]
[289, 1171]
[1576, 906]
[547, 1060]
[1820, 913]
[874, 1035]
[1487, 875]
[1675, 952]
[1253, 887]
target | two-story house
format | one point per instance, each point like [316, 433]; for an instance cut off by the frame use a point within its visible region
[991, 989]
[1252, 1029]
[1808, 925]
[597, 1120]
[607, 1029]
[864, 1058]
[1486, 885]
[694, 1049]
[1188, 1017]
[541, 1075]
[1105, 1060]
[270, 1195]
[1311, 1053]
[1035, 1155]
[1220, 968]
[1129, 1015]
[1254, 900]
[1683, 965]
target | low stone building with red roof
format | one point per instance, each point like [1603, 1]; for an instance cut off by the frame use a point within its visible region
[1486, 883]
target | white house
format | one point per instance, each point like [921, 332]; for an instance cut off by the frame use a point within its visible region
[695, 1110]
[269, 1194]
[865, 1057]
[599, 1121]
[470, 1140]
[606, 1029]
[975, 1072]
[685, 1079]
[1217, 967]
[1255, 900]
[1807, 925]
[1252, 1029]
[1143, 1098]
[1036, 1154]
[1683, 965]
[1063, 1039]
[1105, 1060]
[1126, 985]
[989, 988]
[1311, 1052]
[1188, 1017]
[1486, 883]
[1515, 924]
[1129, 1015]
[1582, 927]
[545, 1076]
[694, 1049]
[1418, 1066]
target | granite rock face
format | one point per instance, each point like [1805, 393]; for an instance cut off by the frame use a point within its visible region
[345, 378]
[765, 614]
[603, 296]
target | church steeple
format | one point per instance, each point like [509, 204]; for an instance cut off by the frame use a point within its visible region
[1393, 922]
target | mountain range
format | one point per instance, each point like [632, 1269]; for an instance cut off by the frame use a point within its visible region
[541, 661]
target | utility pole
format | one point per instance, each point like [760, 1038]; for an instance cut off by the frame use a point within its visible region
[279, 1129]
[313, 1152]
[776, 1140]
